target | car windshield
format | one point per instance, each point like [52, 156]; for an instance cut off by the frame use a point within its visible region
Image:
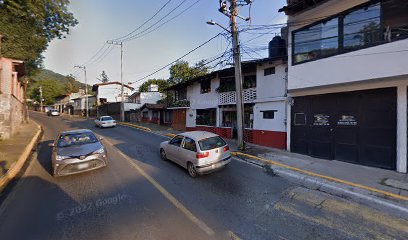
[211, 143]
[107, 118]
[68, 140]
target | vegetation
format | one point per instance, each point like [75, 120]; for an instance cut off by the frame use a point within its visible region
[28, 26]
[163, 84]
[181, 71]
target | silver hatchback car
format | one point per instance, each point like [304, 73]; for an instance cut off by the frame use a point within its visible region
[198, 151]
[77, 151]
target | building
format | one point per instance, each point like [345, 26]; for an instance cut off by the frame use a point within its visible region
[209, 102]
[141, 98]
[65, 103]
[12, 94]
[154, 113]
[347, 78]
[110, 92]
[79, 105]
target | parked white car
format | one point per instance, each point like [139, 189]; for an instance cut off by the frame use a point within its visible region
[105, 121]
[53, 112]
[199, 152]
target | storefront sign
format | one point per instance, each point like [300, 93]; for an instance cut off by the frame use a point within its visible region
[321, 120]
[347, 120]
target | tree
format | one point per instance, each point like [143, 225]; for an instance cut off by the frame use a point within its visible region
[181, 71]
[50, 88]
[163, 84]
[29, 25]
[103, 77]
[71, 85]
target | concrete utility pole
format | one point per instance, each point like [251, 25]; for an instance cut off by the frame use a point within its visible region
[232, 13]
[41, 100]
[122, 101]
[86, 90]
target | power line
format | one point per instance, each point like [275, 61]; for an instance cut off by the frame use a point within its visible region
[148, 20]
[201, 45]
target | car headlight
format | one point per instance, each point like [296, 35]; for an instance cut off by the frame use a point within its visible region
[99, 151]
[60, 158]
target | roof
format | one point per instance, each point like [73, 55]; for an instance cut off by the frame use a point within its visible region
[77, 131]
[153, 106]
[84, 96]
[198, 135]
[95, 86]
[247, 66]
[296, 6]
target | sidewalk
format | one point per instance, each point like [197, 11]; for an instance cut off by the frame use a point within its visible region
[14, 151]
[372, 186]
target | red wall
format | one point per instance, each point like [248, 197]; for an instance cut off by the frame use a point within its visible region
[258, 137]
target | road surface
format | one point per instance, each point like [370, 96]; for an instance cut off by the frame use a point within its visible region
[139, 196]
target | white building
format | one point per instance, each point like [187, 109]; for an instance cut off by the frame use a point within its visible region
[348, 77]
[209, 103]
[141, 98]
[110, 92]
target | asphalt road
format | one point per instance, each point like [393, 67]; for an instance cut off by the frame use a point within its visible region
[139, 196]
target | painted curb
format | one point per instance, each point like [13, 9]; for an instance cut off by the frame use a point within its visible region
[339, 189]
[135, 126]
[12, 172]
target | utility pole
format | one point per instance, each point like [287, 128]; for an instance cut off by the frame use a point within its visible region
[122, 101]
[232, 13]
[41, 100]
[86, 90]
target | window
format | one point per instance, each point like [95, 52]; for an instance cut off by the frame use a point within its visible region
[181, 94]
[155, 114]
[145, 114]
[206, 117]
[206, 86]
[167, 117]
[362, 27]
[211, 143]
[316, 41]
[227, 84]
[269, 71]
[270, 114]
[249, 81]
[190, 144]
[300, 119]
[176, 141]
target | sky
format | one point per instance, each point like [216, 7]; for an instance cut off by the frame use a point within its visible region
[102, 20]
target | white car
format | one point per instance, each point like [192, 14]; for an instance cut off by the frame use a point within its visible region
[53, 112]
[199, 152]
[105, 121]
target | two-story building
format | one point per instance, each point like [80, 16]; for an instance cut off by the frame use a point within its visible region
[209, 102]
[111, 92]
[152, 96]
[12, 91]
[347, 78]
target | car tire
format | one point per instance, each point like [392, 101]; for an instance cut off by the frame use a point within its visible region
[163, 154]
[191, 170]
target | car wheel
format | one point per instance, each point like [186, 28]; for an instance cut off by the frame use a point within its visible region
[163, 154]
[191, 170]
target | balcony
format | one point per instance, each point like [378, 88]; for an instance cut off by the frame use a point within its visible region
[249, 96]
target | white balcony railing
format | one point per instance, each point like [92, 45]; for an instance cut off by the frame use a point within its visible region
[249, 95]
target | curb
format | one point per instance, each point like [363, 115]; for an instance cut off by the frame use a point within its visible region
[359, 193]
[135, 126]
[12, 172]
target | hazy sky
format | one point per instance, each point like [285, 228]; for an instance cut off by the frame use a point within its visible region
[102, 20]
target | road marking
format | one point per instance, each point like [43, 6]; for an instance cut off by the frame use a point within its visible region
[323, 176]
[233, 236]
[165, 193]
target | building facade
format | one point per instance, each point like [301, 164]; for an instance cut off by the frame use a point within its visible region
[110, 92]
[12, 93]
[347, 79]
[209, 103]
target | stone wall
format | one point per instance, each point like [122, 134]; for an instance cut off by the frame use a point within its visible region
[5, 122]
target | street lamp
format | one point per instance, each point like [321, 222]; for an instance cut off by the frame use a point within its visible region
[219, 25]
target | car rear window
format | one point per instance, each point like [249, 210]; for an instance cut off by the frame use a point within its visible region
[211, 143]
[107, 118]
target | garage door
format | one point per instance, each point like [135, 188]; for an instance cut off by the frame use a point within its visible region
[357, 127]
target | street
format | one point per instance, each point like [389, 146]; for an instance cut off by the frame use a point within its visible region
[140, 196]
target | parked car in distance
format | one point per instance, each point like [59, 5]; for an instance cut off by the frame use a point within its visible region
[77, 151]
[53, 112]
[105, 121]
[199, 152]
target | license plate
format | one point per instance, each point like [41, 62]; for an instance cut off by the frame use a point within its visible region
[82, 166]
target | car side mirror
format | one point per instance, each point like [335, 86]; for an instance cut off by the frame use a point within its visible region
[51, 145]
